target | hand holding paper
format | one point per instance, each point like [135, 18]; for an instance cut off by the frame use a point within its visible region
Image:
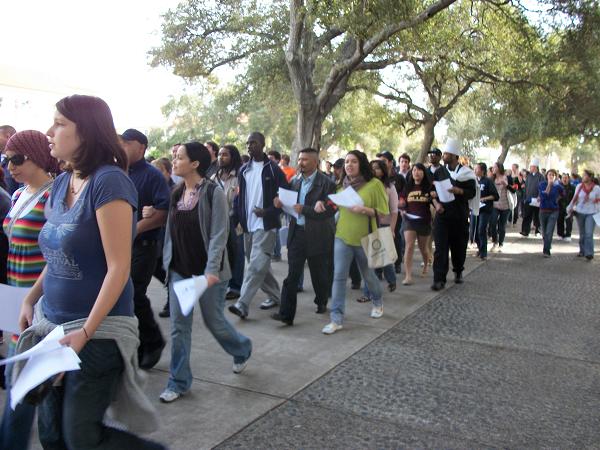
[442, 188]
[288, 199]
[347, 198]
[188, 292]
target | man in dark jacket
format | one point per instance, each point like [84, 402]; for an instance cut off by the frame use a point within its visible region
[451, 225]
[310, 237]
[532, 191]
[259, 181]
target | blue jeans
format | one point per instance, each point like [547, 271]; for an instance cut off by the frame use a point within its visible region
[498, 225]
[277, 251]
[388, 273]
[212, 304]
[586, 225]
[547, 223]
[343, 255]
[237, 268]
[16, 425]
[473, 233]
[482, 228]
[71, 415]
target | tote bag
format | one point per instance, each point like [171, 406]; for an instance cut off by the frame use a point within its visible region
[379, 247]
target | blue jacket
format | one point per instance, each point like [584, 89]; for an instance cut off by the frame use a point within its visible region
[272, 179]
[549, 202]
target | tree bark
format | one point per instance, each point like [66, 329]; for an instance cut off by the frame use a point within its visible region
[428, 137]
[505, 146]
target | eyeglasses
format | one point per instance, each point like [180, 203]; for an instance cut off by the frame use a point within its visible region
[17, 160]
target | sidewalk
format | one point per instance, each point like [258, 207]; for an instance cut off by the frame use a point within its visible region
[508, 359]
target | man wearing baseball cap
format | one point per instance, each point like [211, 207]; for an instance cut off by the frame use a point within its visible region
[532, 191]
[451, 225]
[153, 192]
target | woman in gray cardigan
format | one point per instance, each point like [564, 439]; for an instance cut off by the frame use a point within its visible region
[195, 242]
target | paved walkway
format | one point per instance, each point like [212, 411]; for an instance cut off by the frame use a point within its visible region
[508, 359]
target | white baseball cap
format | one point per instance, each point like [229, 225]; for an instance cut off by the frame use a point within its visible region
[535, 162]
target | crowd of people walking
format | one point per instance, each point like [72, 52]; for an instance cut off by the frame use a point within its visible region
[88, 221]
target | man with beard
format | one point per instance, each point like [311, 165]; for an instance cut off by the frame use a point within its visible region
[451, 225]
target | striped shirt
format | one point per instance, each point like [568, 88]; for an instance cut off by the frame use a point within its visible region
[25, 259]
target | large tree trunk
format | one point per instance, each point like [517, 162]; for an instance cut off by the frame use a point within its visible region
[428, 137]
[505, 147]
[308, 130]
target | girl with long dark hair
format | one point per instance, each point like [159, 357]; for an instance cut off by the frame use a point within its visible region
[415, 203]
[352, 226]
[195, 241]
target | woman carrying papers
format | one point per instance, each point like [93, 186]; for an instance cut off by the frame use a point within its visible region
[29, 163]
[415, 203]
[551, 191]
[86, 288]
[352, 226]
[195, 244]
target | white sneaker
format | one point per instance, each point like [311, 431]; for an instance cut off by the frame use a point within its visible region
[239, 368]
[494, 248]
[268, 304]
[499, 249]
[169, 396]
[567, 239]
[331, 328]
[377, 312]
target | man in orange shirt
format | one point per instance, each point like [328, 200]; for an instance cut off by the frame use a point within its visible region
[285, 167]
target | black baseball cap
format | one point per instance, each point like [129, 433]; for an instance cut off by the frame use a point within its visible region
[435, 150]
[339, 163]
[387, 155]
[134, 135]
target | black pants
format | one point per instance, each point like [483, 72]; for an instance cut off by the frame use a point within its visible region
[320, 268]
[143, 263]
[530, 213]
[563, 220]
[399, 241]
[451, 233]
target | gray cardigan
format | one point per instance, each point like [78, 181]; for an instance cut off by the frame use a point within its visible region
[214, 226]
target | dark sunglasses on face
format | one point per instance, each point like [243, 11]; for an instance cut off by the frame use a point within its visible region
[17, 159]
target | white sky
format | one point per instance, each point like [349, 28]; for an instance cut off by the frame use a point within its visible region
[61, 47]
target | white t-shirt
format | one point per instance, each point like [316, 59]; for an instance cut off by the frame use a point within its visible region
[23, 198]
[254, 195]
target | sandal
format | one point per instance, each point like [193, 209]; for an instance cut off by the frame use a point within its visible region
[407, 281]
[363, 299]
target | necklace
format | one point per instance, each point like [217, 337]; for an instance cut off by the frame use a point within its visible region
[72, 185]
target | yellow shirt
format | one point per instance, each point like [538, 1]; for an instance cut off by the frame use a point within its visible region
[352, 227]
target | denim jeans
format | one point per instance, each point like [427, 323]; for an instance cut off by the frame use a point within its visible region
[547, 223]
[343, 255]
[389, 273]
[236, 247]
[473, 233]
[212, 304]
[482, 227]
[15, 431]
[70, 416]
[586, 225]
[498, 224]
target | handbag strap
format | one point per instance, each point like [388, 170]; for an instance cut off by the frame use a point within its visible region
[376, 221]
[27, 203]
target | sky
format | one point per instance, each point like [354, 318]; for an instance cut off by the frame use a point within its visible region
[51, 49]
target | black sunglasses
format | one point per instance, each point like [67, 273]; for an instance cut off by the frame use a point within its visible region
[17, 159]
